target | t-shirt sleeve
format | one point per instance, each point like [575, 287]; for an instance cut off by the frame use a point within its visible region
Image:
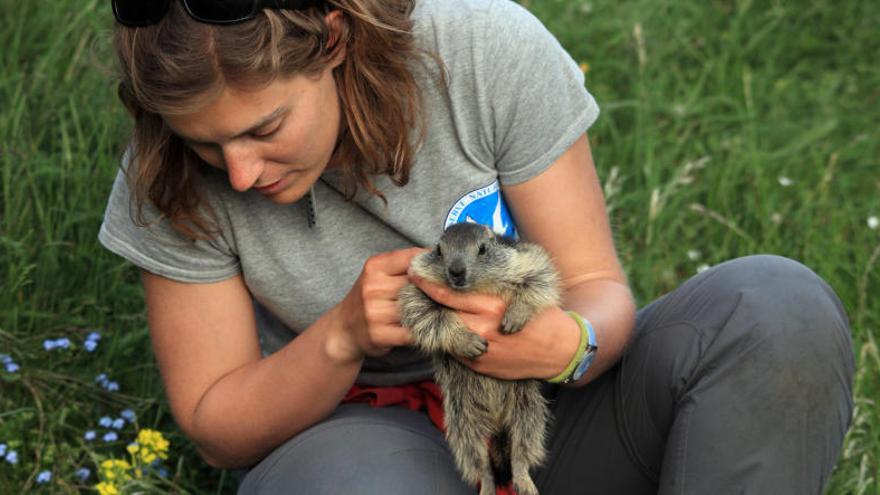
[157, 247]
[537, 100]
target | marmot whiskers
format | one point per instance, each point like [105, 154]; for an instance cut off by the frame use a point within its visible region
[512, 413]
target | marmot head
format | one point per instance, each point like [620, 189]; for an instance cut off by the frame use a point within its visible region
[467, 255]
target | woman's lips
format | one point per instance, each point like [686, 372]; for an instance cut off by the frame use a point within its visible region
[271, 188]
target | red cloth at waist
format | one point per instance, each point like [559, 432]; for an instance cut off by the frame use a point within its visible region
[419, 396]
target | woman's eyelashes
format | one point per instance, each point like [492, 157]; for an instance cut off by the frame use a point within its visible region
[268, 134]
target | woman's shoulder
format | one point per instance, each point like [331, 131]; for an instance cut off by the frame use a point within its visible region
[457, 17]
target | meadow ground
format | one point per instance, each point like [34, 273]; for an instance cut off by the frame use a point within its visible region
[728, 128]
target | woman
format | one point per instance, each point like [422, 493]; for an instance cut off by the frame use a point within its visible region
[288, 162]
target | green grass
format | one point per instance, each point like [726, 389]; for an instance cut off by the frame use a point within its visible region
[706, 108]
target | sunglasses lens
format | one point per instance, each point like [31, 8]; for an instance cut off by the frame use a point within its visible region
[139, 12]
[221, 11]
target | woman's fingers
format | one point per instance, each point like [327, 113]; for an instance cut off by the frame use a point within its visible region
[468, 302]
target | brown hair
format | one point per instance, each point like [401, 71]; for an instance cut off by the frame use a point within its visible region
[171, 67]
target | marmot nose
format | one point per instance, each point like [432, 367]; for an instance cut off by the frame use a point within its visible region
[457, 273]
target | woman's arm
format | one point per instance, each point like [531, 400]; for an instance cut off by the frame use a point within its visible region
[562, 209]
[236, 406]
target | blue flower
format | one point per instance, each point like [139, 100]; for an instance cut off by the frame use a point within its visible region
[62, 342]
[91, 345]
[83, 473]
[118, 423]
[89, 435]
[112, 386]
[106, 422]
[163, 472]
[2, 449]
[10, 365]
[94, 336]
[102, 378]
[128, 414]
[110, 436]
[12, 457]
[44, 477]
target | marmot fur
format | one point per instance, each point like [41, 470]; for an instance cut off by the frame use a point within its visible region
[512, 413]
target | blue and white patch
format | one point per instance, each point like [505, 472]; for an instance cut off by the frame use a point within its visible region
[485, 206]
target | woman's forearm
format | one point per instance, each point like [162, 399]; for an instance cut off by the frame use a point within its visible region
[609, 306]
[255, 408]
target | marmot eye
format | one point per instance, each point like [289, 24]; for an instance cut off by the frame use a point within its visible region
[482, 249]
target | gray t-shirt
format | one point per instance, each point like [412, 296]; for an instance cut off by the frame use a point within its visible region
[514, 103]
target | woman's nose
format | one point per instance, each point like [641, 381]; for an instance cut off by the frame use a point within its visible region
[242, 165]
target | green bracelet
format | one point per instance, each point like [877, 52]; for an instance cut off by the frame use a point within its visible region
[579, 355]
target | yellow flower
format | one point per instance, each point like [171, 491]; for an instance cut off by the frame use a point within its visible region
[153, 445]
[132, 448]
[111, 469]
[105, 488]
[585, 67]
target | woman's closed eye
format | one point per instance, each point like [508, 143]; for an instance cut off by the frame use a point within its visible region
[267, 134]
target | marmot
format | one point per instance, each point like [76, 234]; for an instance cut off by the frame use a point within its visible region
[512, 413]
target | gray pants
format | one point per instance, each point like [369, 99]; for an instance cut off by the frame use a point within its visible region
[739, 381]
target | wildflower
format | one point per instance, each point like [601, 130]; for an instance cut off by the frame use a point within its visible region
[153, 446]
[12, 457]
[110, 436]
[89, 435]
[63, 343]
[11, 367]
[105, 421]
[163, 472]
[776, 218]
[128, 414]
[105, 488]
[44, 477]
[2, 449]
[873, 222]
[785, 181]
[115, 469]
[118, 424]
[132, 448]
[106, 383]
[693, 255]
[585, 67]
[91, 342]
[83, 473]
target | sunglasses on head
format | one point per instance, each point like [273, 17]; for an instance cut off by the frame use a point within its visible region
[146, 12]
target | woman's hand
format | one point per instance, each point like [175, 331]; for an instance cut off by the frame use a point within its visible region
[369, 316]
[542, 349]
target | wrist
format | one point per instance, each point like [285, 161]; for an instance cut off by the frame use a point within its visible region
[583, 356]
[340, 344]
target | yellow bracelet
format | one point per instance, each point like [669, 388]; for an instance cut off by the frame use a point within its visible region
[581, 350]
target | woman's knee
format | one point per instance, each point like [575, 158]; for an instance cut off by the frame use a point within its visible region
[788, 324]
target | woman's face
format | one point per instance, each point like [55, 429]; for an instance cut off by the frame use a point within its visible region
[277, 140]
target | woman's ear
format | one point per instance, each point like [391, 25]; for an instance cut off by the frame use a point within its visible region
[336, 21]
